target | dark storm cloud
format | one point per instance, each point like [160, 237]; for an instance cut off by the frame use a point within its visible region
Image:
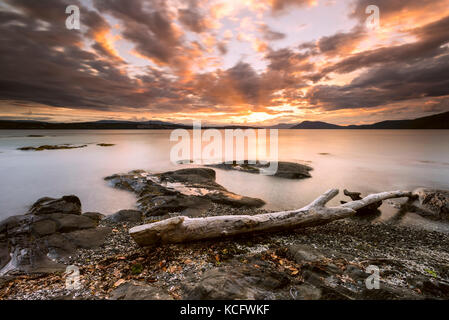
[48, 65]
[341, 43]
[387, 84]
[430, 39]
[193, 18]
[148, 25]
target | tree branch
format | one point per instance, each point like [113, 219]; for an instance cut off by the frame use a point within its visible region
[184, 229]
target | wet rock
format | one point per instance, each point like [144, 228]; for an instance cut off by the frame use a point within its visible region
[431, 203]
[67, 204]
[51, 147]
[105, 144]
[125, 216]
[187, 191]
[286, 170]
[139, 291]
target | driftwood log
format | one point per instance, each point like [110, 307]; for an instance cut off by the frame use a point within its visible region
[184, 229]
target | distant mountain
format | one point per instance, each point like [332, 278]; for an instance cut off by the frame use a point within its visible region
[281, 126]
[437, 121]
[315, 125]
[102, 124]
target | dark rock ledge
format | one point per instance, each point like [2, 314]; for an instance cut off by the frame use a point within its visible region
[52, 147]
[286, 170]
[189, 192]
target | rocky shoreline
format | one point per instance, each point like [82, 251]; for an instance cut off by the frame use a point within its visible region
[325, 262]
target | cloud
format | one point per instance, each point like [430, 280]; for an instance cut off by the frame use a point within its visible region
[386, 84]
[191, 65]
[280, 5]
[271, 35]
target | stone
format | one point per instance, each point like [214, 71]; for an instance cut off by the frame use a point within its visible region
[139, 291]
[304, 253]
[241, 282]
[96, 216]
[67, 204]
[125, 216]
[431, 203]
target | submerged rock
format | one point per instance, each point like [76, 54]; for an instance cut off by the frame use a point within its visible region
[286, 170]
[105, 144]
[52, 147]
[186, 191]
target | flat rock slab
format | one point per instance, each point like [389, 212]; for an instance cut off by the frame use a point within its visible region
[139, 291]
[186, 191]
[286, 170]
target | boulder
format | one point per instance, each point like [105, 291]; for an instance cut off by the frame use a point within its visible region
[431, 203]
[125, 216]
[67, 204]
[139, 291]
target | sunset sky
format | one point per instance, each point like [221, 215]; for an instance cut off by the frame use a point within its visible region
[224, 61]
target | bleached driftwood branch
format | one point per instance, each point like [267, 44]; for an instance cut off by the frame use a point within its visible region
[184, 229]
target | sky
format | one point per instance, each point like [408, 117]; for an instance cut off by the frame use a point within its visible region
[255, 62]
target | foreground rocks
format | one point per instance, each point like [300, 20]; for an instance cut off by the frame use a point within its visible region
[51, 229]
[327, 262]
[286, 170]
[189, 192]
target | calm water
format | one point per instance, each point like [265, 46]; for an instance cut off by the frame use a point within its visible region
[359, 160]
